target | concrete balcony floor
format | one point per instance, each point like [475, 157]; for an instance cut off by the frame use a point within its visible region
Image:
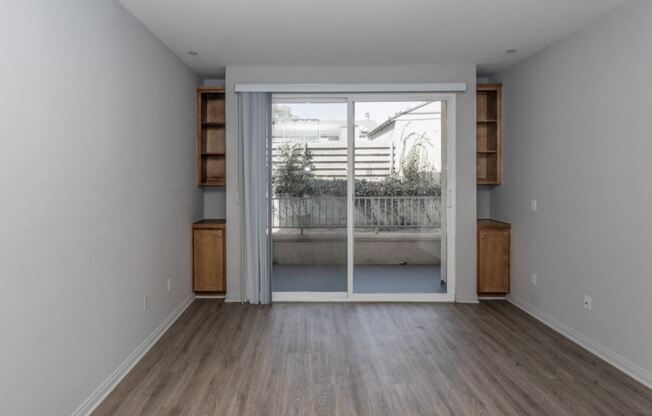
[366, 279]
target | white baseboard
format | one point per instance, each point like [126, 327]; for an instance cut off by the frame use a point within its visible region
[123, 369]
[232, 299]
[342, 297]
[636, 372]
[402, 297]
[492, 297]
[466, 298]
[308, 296]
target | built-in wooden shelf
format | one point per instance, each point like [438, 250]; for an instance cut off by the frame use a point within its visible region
[211, 137]
[215, 182]
[488, 134]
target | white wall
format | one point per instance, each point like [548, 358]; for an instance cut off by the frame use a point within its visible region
[577, 139]
[214, 203]
[97, 196]
[484, 201]
[466, 189]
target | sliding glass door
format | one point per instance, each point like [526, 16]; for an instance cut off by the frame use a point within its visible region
[361, 197]
[397, 204]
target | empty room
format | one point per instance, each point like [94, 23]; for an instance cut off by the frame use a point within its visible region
[221, 207]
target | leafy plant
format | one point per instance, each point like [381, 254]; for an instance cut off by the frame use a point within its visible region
[415, 160]
[281, 112]
[293, 174]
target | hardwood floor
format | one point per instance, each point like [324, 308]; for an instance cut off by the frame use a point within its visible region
[370, 359]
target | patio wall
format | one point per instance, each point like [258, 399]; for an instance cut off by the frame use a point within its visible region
[318, 247]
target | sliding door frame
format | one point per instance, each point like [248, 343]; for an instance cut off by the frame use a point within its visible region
[448, 129]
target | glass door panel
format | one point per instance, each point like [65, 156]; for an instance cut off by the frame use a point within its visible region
[309, 196]
[399, 172]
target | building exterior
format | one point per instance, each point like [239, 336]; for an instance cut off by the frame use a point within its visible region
[381, 149]
[417, 129]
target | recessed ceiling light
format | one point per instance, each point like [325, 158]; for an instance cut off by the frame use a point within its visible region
[193, 53]
[511, 51]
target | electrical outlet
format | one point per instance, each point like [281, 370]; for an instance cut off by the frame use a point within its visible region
[169, 284]
[145, 303]
[533, 205]
[534, 279]
[587, 302]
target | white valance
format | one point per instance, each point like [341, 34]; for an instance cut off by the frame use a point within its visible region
[353, 88]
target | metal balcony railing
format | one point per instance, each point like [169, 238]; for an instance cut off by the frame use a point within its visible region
[377, 213]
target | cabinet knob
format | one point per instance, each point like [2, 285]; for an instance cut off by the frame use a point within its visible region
[481, 236]
[219, 234]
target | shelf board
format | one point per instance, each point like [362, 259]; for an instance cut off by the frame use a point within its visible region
[486, 121]
[214, 182]
[487, 151]
[213, 154]
[211, 124]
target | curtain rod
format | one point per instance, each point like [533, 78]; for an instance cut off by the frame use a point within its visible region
[353, 88]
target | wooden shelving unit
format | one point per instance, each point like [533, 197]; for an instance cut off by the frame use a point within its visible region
[211, 137]
[488, 130]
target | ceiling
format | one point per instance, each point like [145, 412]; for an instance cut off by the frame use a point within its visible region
[359, 32]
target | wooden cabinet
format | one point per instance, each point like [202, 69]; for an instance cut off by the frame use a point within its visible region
[211, 138]
[489, 119]
[493, 257]
[209, 256]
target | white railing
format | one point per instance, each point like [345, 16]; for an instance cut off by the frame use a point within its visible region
[378, 213]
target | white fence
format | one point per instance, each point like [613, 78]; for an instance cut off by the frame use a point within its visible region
[330, 161]
[378, 213]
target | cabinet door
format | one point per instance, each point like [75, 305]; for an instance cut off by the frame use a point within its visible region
[493, 261]
[208, 260]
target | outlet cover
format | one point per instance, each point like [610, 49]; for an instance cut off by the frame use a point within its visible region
[533, 205]
[169, 284]
[534, 279]
[145, 303]
[587, 302]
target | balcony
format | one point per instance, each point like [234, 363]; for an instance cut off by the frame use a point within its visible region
[396, 249]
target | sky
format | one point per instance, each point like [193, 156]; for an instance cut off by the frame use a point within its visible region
[378, 111]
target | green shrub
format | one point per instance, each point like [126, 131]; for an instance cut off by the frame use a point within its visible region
[292, 175]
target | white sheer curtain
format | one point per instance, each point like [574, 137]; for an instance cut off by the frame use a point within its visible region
[255, 114]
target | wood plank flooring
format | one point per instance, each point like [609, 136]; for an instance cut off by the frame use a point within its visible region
[370, 359]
